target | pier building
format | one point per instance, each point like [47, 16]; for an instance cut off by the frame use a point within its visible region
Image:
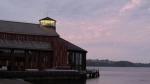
[37, 46]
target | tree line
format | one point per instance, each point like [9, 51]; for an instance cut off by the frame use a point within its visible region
[108, 63]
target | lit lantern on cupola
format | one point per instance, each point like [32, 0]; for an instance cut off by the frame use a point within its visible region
[48, 22]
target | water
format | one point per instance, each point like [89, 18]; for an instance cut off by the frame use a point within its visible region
[121, 75]
[115, 75]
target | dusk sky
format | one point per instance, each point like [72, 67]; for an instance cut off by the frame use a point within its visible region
[107, 29]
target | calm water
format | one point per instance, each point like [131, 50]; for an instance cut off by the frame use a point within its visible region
[115, 75]
[121, 75]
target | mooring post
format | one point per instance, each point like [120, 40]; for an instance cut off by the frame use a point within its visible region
[98, 73]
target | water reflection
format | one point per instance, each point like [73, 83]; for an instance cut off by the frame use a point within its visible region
[59, 82]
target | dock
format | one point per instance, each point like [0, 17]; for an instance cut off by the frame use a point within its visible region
[49, 75]
[92, 73]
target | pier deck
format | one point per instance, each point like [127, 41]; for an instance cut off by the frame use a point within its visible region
[92, 73]
[49, 75]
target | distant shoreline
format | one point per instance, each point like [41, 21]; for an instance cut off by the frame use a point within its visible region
[108, 63]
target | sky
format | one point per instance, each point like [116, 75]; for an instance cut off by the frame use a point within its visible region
[117, 30]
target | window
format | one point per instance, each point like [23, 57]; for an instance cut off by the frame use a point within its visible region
[79, 58]
[71, 56]
[47, 22]
[19, 51]
[6, 51]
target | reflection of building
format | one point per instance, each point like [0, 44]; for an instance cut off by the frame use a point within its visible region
[37, 46]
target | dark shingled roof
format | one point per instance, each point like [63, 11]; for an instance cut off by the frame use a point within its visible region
[23, 44]
[47, 18]
[30, 29]
[36, 45]
[26, 28]
[71, 46]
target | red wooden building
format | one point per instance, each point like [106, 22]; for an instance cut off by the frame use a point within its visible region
[37, 46]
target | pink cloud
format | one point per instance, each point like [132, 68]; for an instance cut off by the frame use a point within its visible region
[111, 21]
[87, 30]
[129, 5]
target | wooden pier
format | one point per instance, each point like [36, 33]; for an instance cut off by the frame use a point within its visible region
[49, 75]
[92, 73]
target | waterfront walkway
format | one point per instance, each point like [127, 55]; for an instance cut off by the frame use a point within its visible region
[49, 75]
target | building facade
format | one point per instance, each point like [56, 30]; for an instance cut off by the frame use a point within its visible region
[37, 46]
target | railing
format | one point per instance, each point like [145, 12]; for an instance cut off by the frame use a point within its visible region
[92, 71]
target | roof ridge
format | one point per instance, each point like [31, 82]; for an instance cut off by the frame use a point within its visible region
[19, 22]
[25, 28]
[73, 44]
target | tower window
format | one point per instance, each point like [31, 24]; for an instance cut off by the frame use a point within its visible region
[47, 22]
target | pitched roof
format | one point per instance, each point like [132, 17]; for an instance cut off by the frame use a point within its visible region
[47, 18]
[26, 28]
[36, 45]
[71, 46]
[30, 29]
[23, 44]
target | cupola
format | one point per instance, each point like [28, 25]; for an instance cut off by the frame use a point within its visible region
[48, 22]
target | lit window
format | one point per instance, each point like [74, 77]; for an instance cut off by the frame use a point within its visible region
[47, 22]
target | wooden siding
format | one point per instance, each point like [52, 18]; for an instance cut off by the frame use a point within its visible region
[60, 53]
[21, 61]
[27, 37]
[39, 59]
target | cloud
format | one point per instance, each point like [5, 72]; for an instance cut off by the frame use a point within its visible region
[87, 30]
[129, 5]
[123, 31]
[107, 29]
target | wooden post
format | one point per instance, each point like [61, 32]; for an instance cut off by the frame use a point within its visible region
[98, 74]
[26, 60]
[39, 61]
